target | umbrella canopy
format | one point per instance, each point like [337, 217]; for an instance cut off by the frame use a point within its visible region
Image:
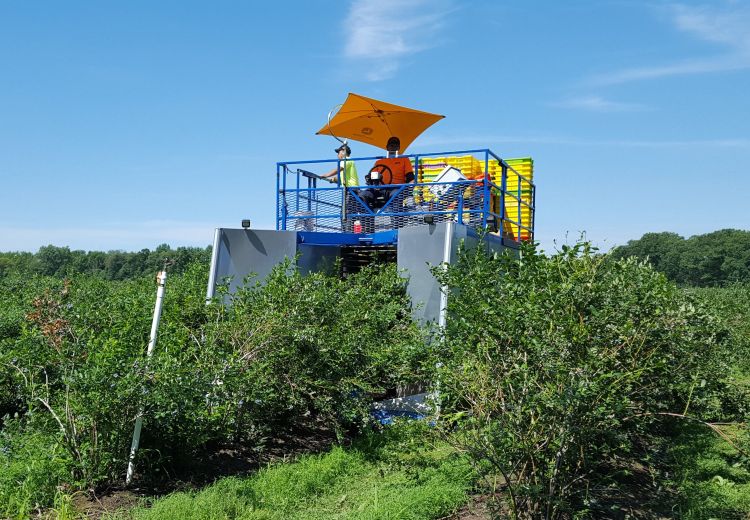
[373, 122]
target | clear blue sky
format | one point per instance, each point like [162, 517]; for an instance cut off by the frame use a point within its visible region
[124, 125]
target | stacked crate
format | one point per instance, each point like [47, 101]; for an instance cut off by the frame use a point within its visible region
[430, 168]
[518, 185]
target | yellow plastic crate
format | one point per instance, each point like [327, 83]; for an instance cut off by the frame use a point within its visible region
[520, 187]
[469, 165]
[523, 166]
[473, 168]
[430, 167]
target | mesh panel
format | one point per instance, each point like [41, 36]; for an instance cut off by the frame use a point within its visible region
[382, 208]
[312, 209]
[385, 208]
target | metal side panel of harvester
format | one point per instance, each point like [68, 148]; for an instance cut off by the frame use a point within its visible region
[416, 225]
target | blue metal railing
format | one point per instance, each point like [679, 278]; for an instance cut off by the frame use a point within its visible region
[305, 201]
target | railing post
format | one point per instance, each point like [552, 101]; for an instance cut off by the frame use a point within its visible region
[296, 196]
[311, 185]
[532, 211]
[519, 215]
[486, 189]
[503, 189]
[460, 206]
[282, 194]
[278, 194]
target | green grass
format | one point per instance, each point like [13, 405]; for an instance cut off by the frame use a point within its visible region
[714, 477]
[394, 479]
[31, 467]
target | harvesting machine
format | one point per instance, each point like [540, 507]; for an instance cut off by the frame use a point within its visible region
[416, 225]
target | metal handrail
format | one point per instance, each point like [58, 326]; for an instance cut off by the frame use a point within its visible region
[310, 203]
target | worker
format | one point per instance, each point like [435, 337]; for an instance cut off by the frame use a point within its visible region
[394, 169]
[345, 166]
[351, 180]
[386, 173]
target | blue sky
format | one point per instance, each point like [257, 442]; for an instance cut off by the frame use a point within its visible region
[124, 125]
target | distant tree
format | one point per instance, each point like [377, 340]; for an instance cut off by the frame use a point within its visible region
[712, 259]
[16, 262]
[53, 261]
[113, 265]
[93, 263]
[662, 249]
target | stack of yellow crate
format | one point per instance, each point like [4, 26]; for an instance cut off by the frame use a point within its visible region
[518, 185]
[430, 167]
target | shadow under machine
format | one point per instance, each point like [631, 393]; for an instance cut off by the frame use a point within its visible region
[455, 196]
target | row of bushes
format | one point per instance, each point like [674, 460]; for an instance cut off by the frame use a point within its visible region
[297, 352]
[553, 372]
[563, 370]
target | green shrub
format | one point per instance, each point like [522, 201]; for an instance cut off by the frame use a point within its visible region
[295, 352]
[314, 345]
[559, 365]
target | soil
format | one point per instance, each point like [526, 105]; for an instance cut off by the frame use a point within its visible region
[476, 509]
[94, 506]
[634, 494]
[223, 461]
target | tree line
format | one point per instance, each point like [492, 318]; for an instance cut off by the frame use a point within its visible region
[111, 265]
[713, 259]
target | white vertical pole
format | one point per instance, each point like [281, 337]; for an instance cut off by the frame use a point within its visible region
[442, 317]
[161, 279]
[447, 249]
[211, 290]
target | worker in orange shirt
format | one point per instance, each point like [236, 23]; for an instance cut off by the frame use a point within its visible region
[384, 178]
[393, 169]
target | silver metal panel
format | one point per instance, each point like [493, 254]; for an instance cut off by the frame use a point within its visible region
[419, 248]
[211, 290]
[239, 252]
[422, 247]
[242, 252]
[468, 238]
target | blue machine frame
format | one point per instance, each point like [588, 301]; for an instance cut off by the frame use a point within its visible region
[326, 215]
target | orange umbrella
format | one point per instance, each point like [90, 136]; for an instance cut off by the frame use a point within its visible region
[374, 122]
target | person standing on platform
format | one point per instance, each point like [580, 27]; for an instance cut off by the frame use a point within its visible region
[345, 169]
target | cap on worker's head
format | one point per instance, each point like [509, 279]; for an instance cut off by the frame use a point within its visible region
[394, 144]
[344, 147]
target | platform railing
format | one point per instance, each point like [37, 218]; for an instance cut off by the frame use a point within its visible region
[307, 202]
